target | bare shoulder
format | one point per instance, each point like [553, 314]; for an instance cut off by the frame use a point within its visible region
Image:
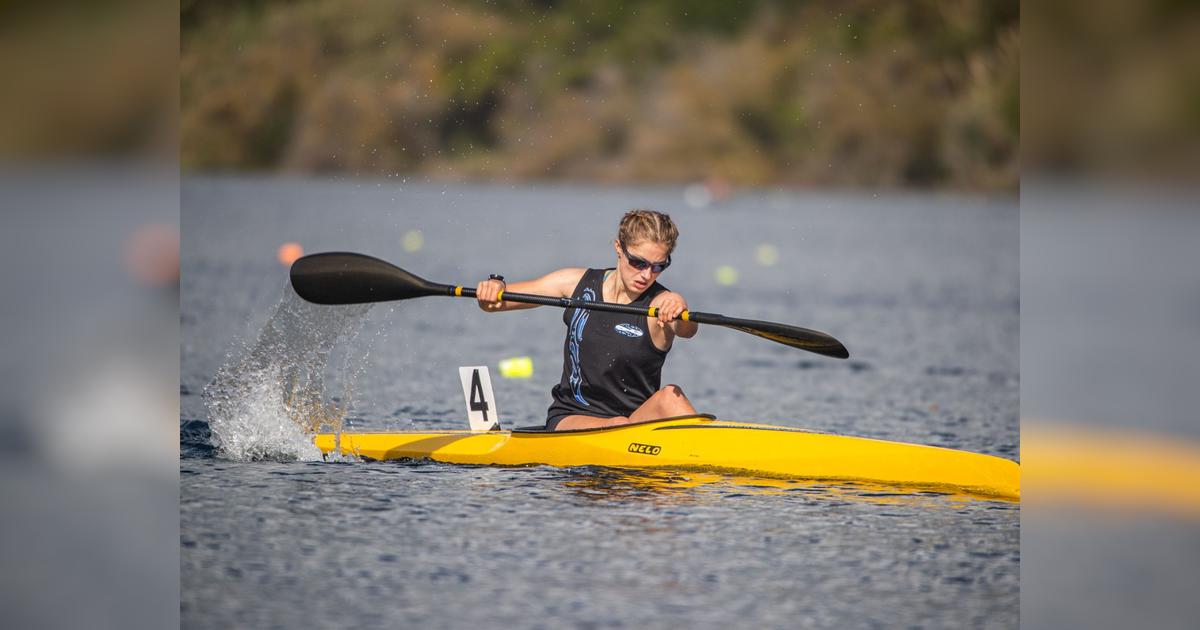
[570, 274]
[565, 280]
[560, 283]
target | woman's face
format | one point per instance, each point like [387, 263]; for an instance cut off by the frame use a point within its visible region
[638, 280]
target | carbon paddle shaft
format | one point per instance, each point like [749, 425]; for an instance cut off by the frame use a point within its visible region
[794, 336]
[564, 302]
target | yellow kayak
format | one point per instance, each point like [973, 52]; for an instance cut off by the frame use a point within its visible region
[702, 443]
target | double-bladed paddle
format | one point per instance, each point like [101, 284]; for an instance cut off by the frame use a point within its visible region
[349, 278]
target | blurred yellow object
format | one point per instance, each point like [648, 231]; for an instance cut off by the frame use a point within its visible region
[516, 367]
[726, 275]
[288, 253]
[1120, 469]
[413, 241]
[767, 254]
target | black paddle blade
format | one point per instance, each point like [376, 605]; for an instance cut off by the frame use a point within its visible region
[348, 278]
[794, 336]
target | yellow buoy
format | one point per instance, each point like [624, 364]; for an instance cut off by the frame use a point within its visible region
[516, 367]
[767, 254]
[726, 275]
[413, 241]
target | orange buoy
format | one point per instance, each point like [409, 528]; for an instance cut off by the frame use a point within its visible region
[288, 253]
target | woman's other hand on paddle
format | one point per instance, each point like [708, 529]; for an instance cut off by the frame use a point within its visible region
[670, 306]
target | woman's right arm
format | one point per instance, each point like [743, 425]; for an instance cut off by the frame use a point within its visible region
[559, 283]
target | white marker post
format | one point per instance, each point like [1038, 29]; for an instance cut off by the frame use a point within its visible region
[481, 402]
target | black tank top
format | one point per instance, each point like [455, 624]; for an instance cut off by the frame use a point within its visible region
[610, 363]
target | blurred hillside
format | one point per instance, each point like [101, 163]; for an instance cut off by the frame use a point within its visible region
[844, 93]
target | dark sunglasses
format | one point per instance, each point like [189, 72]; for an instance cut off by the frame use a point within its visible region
[642, 263]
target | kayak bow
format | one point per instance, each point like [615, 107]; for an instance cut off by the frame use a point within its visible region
[706, 444]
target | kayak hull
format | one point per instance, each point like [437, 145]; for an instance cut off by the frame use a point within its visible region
[702, 443]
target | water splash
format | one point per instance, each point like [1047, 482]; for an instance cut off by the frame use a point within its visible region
[266, 404]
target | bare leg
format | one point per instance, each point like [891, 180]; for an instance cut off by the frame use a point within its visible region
[665, 403]
[589, 422]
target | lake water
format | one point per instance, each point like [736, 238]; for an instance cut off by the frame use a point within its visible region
[923, 290]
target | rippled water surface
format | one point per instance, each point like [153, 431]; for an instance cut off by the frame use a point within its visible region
[922, 289]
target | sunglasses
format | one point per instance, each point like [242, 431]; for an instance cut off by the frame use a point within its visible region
[642, 263]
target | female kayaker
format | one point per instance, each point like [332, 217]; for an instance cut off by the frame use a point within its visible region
[612, 362]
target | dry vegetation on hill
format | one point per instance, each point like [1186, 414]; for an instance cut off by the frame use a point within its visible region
[922, 93]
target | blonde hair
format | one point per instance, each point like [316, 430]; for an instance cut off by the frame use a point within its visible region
[640, 225]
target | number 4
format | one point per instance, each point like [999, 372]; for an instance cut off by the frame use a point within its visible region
[477, 401]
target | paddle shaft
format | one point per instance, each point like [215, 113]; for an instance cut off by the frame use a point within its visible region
[794, 336]
[566, 302]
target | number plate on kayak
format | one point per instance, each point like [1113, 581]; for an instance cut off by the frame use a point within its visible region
[481, 402]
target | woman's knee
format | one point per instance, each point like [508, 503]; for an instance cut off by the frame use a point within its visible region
[672, 390]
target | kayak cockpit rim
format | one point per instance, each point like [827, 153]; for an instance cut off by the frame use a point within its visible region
[709, 422]
[542, 429]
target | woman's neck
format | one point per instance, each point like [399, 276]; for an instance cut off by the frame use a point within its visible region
[616, 291]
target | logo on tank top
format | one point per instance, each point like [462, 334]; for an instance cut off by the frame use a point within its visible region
[629, 330]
